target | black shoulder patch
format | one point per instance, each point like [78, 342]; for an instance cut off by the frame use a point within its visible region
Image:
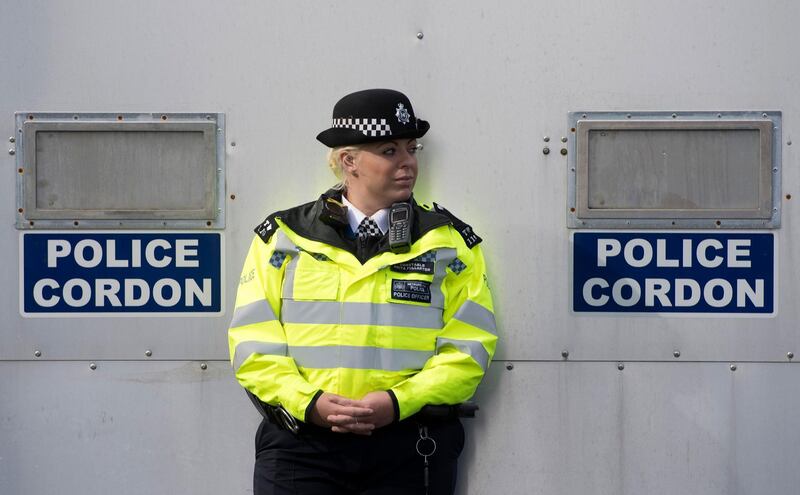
[470, 237]
[267, 228]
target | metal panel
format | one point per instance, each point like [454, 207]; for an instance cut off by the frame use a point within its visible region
[124, 428]
[642, 170]
[107, 170]
[655, 428]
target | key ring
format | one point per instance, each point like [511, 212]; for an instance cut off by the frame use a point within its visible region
[423, 437]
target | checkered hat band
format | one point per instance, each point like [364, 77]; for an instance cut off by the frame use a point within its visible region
[370, 127]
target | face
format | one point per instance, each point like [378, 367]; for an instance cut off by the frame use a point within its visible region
[381, 174]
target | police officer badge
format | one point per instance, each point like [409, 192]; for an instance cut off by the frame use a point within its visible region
[402, 114]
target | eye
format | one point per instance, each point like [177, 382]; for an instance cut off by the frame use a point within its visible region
[413, 150]
[389, 151]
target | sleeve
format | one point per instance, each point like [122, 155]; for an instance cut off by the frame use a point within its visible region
[465, 346]
[256, 338]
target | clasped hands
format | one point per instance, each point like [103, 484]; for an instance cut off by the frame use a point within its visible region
[343, 415]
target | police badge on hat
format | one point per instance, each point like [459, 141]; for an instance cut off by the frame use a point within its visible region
[402, 114]
[372, 115]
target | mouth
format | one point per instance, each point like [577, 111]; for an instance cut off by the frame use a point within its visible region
[404, 180]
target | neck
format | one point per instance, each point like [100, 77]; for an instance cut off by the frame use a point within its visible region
[367, 206]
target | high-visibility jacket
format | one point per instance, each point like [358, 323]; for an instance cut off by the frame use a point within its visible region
[310, 317]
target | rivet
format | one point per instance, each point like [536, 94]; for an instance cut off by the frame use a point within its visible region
[733, 367]
[583, 116]
[37, 353]
[790, 355]
[233, 143]
[789, 142]
[11, 139]
[563, 139]
[546, 150]
[11, 151]
[774, 170]
[620, 366]
[676, 353]
[674, 115]
[233, 196]
[565, 354]
[719, 115]
[764, 115]
[420, 35]
[628, 116]
[148, 353]
[564, 151]
[788, 196]
[510, 366]
[203, 366]
[546, 139]
[208, 223]
[92, 366]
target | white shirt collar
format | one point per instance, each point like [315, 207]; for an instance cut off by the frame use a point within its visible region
[354, 217]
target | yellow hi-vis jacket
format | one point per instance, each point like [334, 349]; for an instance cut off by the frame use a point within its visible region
[310, 317]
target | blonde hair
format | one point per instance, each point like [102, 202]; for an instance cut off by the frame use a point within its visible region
[335, 164]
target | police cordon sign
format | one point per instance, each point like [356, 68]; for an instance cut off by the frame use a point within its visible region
[654, 272]
[105, 273]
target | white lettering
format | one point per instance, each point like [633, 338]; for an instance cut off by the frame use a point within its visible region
[111, 255]
[106, 288]
[182, 250]
[85, 292]
[175, 292]
[681, 284]
[136, 253]
[607, 248]
[587, 292]
[131, 285]
[193, 292]
[661, 258]
[57, 248]
[756, 295]
[687, 253]
[656, 288]
[647, 253]
[736, 249]
[80, 253]
[38, 293]
[727, 292]
[150, 253]
[702, 253]
[636, 292]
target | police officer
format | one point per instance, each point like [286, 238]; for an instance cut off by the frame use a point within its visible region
[356, 311]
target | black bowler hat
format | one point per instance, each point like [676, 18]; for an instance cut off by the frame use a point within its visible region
[372, 115]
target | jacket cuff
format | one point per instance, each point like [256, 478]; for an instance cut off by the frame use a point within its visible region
[310, 407]
[395, 406]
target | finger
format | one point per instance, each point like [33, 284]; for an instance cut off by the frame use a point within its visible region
[360, 429]
[345, 420]
[344, 401]
[356, 412]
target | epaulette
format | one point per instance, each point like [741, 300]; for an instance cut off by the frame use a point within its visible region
[470, 237]
[267, 228]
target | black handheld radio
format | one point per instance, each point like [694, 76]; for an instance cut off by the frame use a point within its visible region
[400, 219]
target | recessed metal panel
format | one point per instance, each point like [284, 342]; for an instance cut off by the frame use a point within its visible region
[649, 169]
[120, 170]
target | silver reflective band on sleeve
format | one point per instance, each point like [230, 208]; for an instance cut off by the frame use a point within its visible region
[246, 349]
[368, 358]
[255, 312]
[477, 316]
[361, 313]
[443, 258]
[470, 347]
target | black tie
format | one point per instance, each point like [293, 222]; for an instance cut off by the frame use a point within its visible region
[368, 228]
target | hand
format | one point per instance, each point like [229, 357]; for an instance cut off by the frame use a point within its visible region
[342, 415]
[382, 408]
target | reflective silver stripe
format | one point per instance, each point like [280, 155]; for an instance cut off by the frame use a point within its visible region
[246, 349]
[470, 347]
[367, 358]
[477, 316]
[361, 313]
[287, 247]
[255, 312]
[443, 258]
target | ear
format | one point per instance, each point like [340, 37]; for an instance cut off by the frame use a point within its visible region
[348, 160]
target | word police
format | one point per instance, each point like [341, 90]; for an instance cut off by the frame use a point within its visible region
[670, 271]
[154, 254]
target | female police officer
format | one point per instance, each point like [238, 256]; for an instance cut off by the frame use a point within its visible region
[357, 310]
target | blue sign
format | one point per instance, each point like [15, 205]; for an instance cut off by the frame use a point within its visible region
[634, 272]
[141, 273]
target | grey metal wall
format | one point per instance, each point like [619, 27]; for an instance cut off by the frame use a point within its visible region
[493, 80]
